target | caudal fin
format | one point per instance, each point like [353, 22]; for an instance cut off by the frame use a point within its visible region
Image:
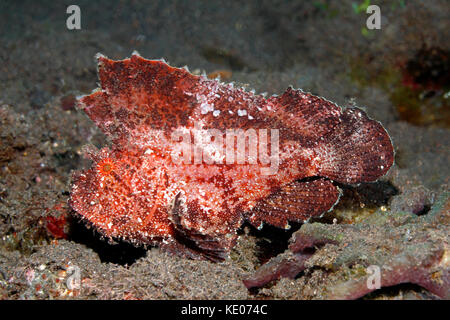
[359, 150]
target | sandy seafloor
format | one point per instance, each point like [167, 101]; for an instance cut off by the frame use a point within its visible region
[319, 46]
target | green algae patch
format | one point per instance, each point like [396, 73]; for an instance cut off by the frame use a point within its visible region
[419, 88]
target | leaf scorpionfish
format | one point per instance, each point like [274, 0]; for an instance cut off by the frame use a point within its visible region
[189, 157]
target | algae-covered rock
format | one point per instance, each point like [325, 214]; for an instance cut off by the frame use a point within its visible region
[400, 247]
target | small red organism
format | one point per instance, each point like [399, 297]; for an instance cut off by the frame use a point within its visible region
[56, 226]
[168, 179]
[56, 221]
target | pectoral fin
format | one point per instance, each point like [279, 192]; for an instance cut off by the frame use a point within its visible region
[193, 244]
[297, 201]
